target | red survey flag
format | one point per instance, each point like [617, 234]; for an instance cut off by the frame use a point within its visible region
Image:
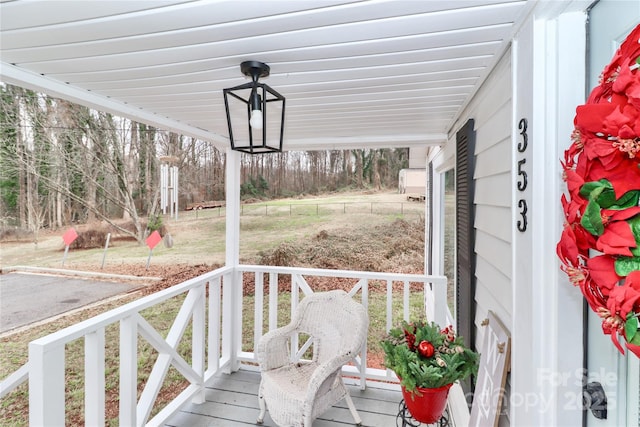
[153, 239]
[69, 236]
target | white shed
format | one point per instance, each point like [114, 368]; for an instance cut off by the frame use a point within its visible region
[412, 181]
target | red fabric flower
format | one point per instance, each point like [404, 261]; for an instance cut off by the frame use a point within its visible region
[601, 168]
[617, 239]
[602, 271]
[625, 298]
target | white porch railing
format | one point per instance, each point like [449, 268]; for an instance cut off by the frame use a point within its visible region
[213, 308]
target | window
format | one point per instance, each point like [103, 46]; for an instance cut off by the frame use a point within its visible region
[449, 240]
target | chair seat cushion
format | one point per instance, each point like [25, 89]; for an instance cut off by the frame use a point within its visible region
[290, 381]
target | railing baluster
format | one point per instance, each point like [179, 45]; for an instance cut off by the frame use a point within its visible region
[46, 385]
[94, 394]
[405, 300]
[273, 301]
[128, 370]
[295, 298]
[236, 320]
[227, 319]
[258, 309]
[363, 353]
[389, 323]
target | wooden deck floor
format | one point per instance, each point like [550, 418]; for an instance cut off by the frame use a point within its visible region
[232, 401]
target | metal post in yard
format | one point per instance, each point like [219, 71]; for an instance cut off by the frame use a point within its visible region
[106, 246]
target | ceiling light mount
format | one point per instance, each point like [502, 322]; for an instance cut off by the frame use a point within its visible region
[255, 69]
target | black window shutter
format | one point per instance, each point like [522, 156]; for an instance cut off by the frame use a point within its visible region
[465, 238]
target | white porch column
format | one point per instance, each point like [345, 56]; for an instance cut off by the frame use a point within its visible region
[547, 312]
[232, 188]
[232, 299]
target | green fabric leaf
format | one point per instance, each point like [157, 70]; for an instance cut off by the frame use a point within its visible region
[607, 198]
[592, 190]
[634, 223]
[625, 265]
[592, 219]
[635, 227]
[628, 199]
[602, 192]
[631, 328]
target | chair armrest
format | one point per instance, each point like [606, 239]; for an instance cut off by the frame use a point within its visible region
[273, 348]
[323, 372]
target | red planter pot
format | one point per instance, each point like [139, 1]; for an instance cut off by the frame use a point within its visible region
[428, 404]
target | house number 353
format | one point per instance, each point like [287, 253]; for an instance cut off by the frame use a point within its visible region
[522, 181]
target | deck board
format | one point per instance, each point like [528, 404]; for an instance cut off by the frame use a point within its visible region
[232, 401]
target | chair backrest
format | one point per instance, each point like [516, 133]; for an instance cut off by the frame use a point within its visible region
[337, 322]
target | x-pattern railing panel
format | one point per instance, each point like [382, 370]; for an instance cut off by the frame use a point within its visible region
[212, 307]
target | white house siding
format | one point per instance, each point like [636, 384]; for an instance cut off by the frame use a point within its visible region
[540, 79]
[492, 111]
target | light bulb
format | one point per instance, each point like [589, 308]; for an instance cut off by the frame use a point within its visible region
[256, 119]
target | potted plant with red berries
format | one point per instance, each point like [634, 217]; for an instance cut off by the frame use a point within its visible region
[427, 360]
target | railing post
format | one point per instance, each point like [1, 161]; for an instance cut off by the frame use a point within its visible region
[232, 319]
[214, 324]
[198, 342]
[440, 296]
[46, 385]
[94, 394]
[237, 319]
[437, 305]
[128, 370]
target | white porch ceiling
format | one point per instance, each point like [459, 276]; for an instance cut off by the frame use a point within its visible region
[388, 73]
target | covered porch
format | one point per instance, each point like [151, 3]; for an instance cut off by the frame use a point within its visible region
[209, 344]
[356, 74]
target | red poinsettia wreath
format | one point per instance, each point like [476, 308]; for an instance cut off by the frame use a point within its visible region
[600, 244]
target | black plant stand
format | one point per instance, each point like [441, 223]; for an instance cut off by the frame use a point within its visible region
[404, 418]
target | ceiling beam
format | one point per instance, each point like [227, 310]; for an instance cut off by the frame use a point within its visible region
[348, 143]
[14, 75]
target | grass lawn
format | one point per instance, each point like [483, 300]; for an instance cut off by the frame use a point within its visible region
[340, 238]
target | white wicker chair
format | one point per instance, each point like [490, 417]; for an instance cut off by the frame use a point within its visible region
[297, 392]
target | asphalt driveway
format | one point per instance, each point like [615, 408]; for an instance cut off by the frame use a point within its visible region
[26, 297]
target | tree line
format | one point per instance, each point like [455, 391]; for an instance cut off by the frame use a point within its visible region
[63, 163]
